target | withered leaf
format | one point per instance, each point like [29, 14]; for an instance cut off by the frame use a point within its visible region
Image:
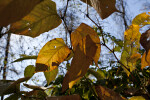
[80, 63]
[145, 40]
[103, 7]
[41, 19]
[107, 94]
[13, 10]
[80, 34]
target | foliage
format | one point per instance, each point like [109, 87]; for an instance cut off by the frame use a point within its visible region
[127, 77]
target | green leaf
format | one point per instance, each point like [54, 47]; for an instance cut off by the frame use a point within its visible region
[13, 10]
[51, 75]
[25, 58]
[41, 19]
[29, 71]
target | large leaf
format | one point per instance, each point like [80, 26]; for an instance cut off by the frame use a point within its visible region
[107, 94]
[29, 71]
[80, 34]
[41, 19]
[142, 19]
[50, 56]
[69, 97]
[131, 46]
[83, 57]
[13, 10]
[103, 7]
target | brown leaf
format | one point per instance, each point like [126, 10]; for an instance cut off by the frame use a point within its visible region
[80, 34]
[145, 61]
[103, 7]
[13, 10]
[15, 86]
[70, 97]
[145, 41]
[83, 57]
[87, 1]
[107, 94]
[41, 19]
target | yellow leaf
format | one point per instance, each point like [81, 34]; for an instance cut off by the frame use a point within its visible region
[13, 10]
[80, 34]
[145, 61]
[137, 98]
[107, 94]
[103, 7]
[142, 19]
[131, 46]
[51, 55]
[132, 33]
[83, 57]
[41, 19]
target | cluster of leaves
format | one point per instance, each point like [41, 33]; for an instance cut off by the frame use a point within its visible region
[41, 16]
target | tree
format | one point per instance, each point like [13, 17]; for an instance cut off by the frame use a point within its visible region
[128, 76]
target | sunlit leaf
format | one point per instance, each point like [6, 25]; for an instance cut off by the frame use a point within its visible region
[131, 46]
[80, 34]
[13, 10]
[142, 19]
[25, 58]
[83, 57]
[137, 98]
[29, 71]
[50, 56]
[107, 94]
[103, 7]
[41, 19]
[69, 97]
[145, 61]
